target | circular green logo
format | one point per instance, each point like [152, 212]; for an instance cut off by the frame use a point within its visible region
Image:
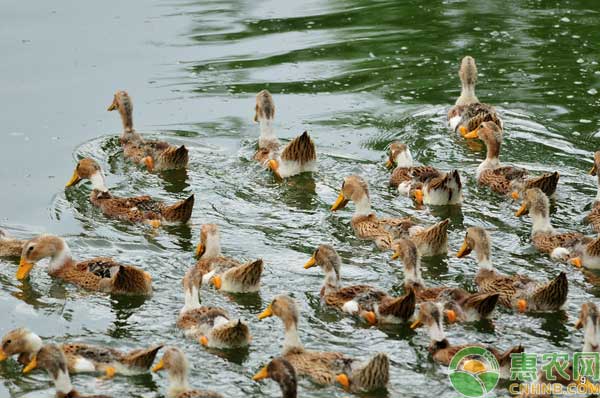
[474, 372]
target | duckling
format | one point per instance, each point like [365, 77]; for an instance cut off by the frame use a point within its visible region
[459, 305]
[98, 274]
[210, 326]
[225, 273]
[507, 179]
[366, 301]
[594, 217]
[366, 225]
[468, 112]
[425, 183]
[297, 157]
[561, 246]
[177, 367]
[283, 373]
[80, 357]
[155, 155]
[9, 246]
[51, 358]
[440, 348]
[325, 367]
[137, 209]
[517, 290]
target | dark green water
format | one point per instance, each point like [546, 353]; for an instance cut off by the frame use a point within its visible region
[357, 75]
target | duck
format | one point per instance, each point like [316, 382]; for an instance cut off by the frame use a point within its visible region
[365, 301]
[516, 291]
[567, 246]
[440, 348]
[593, 217]
[589, 321]
[298, 156]
[325, 368]
[459, 305]
[51, 358]
[101, 274]
[367, 226]
[175, 363]
[155, 155]
[425, 184]
[210, 326]
[9, 246]
[507, 180]
[139, 209]
[225, 273]
[283, 373]
[80, 357]
[467, 113]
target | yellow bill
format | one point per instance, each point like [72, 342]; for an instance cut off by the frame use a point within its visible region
[3, 355]
[24, 269]
[204, 341]
[451, 316]
[464, 250]
[419, 196]
[389, 164]
[32, 365]
[266, 313]
[472, 134]
[310, 263]
[579, 324]
[200, 249]
[273, 165]
[515, 195]
[262, 374]
[159, 366]
[217, 282]
[340, 202]
[593, 170]
[522, 210]
[74, 179]
[396, 255]
[577, 262]
[343, 380]
[416, 324]
[522, 305]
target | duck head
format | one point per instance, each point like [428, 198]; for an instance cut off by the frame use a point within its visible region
[19, 341]
[282, 372]
[42, 247]
[122, 102]
[355, 189]
[88, 169]
[399, 155]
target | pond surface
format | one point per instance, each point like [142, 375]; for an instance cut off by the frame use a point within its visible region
[357, 75]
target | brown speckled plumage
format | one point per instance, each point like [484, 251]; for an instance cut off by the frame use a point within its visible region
[9, 246]
[164, 156]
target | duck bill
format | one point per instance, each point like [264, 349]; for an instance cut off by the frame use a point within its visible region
[594, 170]
[262, 374]
[32, 365]
[310, 263]
[579, 324]
[74, 179]
[159, 366]
[266, 313]
[273, 165]
[416, 324]
[3, 355]
[112, 106]
[522, 210]
[464, 250]
[451, 316]
[343, 380]
[577, 262]
[419, 196]
[514, 195]
[472, 134]
[522, 305]
[200, 249]
[396, 255]
[24, 269]
[340, 202]
[389, 164]
[217, 282]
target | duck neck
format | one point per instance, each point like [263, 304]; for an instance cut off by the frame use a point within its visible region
[412, 272]
[541, 223]
[590, 337]
[60, 258]
[484, 258]
[288, 389]
[436, 331]
[34, 344]
[212, 247]
[178, 383]
[363, 206]
[291, 339]
[332, 280]
[467, 94]
[192, 300]
[266, 130]
[598, 189]
[404, 159]
[98, 183]
[126, 118]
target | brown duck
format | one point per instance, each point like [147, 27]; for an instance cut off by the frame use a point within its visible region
[98, 274]
[210, 326]
[51, 358]
[9, 246]
[139, 209]
[363, 300]
[80, 357]
[594, 217]
[516, 291]
[468, 112]
[297, 157]
[225, 273]
[155, 155]
[440, 348]
[366, 225]
[423, 183]
[325, 367]
[283, 373]
[507, 179]
[459, 305]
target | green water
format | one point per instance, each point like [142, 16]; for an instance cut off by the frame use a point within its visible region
[357, 75]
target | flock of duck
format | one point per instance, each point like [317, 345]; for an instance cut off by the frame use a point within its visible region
[422, 304]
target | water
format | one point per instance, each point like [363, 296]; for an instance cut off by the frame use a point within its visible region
[357, 75]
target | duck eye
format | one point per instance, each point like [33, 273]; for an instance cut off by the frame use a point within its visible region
[8, 342]
[30, 249]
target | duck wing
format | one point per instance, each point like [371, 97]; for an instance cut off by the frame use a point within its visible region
[301, 149]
